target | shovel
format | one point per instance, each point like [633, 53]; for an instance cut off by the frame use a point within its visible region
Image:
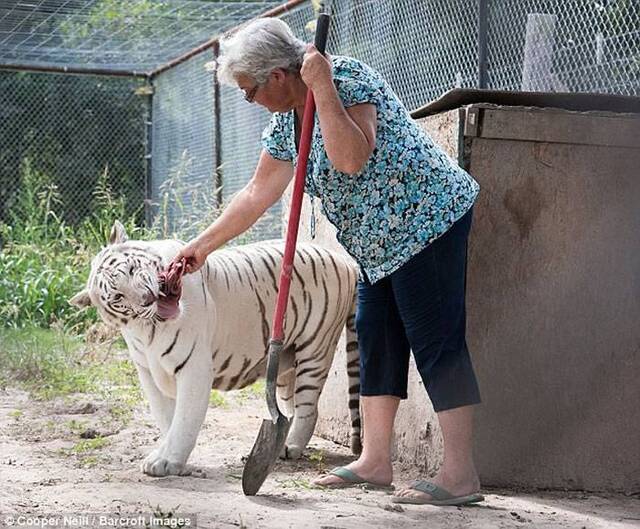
[273, 432]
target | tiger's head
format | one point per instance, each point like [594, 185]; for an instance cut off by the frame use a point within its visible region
[123, 284]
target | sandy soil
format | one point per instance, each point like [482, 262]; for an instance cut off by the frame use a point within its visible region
[41, 474]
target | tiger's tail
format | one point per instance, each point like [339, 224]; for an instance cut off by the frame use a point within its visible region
[353, 374]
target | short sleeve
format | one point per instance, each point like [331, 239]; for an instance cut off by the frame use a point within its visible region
[356, 91]
[275, 138]
[356, 83]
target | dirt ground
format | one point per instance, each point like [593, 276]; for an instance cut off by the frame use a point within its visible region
[44, 471]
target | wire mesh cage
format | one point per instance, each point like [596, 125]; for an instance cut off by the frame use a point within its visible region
[73, 131]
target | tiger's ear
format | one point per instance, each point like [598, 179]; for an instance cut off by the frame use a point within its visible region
[118, 233]
[81, 299]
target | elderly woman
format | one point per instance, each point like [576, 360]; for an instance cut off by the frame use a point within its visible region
[402, 209]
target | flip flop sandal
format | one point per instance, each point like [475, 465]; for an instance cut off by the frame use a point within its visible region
[351, 479]
[439, 496]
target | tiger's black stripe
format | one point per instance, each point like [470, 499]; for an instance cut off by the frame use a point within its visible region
[319, 254]
[305, 296]
[224, 365]
[204, 291]
[270, 271]
[224, 271]
[178, 368]
[269, 256]
[175, 339]
[234, 381]
[335, 269]
[324, 315]
[263, 319]
[307, 387]
[253, 270]
[311, 369]
[238, 271]
[294, 308]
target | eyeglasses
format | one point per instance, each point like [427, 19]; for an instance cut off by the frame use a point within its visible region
[250, 95]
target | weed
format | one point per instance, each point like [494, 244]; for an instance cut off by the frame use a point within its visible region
[317, 458]
[295, 483]
[217, 399]
[253, 391]
[75, 427]
[50, 364]
[90, 461]
[88, 445]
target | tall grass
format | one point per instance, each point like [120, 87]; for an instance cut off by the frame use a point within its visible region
[184, 208]
[44, 261]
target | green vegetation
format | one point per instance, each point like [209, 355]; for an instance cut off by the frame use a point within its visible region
[50, 363]
[87, 451]
[317, 458]
[44, 261]
[88, 445]
[217, 399]
[255, 390]
[295, 483]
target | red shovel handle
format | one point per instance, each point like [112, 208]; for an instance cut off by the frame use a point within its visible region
[322, 27]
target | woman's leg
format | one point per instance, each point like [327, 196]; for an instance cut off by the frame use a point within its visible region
[458, 472]
[384, 365]
[374, 464]
[430, 295]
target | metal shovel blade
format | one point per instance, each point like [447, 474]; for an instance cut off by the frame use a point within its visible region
[265, 452]
[272, 434]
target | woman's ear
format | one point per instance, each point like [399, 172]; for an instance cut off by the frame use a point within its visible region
[279, 75]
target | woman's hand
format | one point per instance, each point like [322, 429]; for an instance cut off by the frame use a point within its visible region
[316, 69]
[195, 254]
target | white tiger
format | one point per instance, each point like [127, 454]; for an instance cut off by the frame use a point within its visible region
[218, 335]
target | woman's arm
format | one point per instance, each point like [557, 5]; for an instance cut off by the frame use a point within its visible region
[267, 185]
[349, 134]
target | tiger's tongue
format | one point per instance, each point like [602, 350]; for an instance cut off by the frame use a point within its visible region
[170, 281]
[168, 307]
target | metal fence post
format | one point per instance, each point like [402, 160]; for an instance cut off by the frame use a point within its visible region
[148, 149]
[483, 23]
[217, 134]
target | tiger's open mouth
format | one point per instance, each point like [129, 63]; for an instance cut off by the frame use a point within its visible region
[170, 282]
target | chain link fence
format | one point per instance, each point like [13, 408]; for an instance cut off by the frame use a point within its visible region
[172, 138]
[70, 132]
[183, 147]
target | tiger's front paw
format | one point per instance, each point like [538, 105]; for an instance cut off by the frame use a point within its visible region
[157, 464]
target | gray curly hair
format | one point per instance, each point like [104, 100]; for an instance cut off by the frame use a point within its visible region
[257, 49]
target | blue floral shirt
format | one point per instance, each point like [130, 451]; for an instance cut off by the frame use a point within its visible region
[408, 193]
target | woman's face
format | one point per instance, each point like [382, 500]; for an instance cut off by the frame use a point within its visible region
[276, 94]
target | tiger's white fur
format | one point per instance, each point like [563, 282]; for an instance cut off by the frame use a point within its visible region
[220, 336]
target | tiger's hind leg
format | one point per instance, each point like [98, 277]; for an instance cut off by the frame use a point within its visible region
[310, 375]
[284, 391]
